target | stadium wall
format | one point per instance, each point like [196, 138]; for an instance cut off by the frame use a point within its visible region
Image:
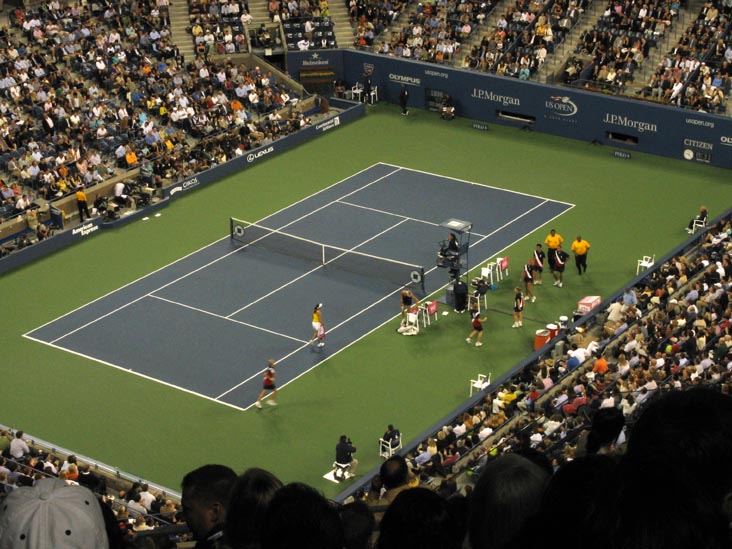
[593, 117]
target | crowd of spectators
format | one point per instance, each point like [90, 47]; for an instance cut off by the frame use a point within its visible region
[435, 32]
[129, 507]
[622, 38]
[697, 72]
[90, 93]
[219, 26]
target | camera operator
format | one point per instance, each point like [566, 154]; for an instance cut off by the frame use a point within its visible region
[344, 451]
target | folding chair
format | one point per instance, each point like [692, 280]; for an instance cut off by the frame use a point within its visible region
[479, 384]
[388, 448]
[486, 273]
[341, 471]
[646, 263]
[356, 92]
[427, 311]
[502, 267]
[698, 224]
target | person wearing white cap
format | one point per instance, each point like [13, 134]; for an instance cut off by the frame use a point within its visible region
[52, 514]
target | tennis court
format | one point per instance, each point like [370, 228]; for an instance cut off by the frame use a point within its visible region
[207, 323]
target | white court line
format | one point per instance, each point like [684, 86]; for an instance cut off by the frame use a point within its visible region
[479, 184]
[159, 269]
[314, 269]
[406, 217]
[130, 371]
[247, 380]
[227, 319]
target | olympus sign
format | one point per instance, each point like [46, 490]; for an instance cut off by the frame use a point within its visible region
[726, 140]
[698, 144]
[251, 157]
[487, 95]
[620, 120]
[408, 80]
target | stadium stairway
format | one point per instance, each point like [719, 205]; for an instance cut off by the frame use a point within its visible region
[551, 71]
[259, 12]
[344, 32]
[687, 15]
[179, 22]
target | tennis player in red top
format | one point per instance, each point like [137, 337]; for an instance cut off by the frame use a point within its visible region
[477, 330]
[268, 384]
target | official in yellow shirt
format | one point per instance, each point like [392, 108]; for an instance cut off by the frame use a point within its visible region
[553, 240]
[580, 248]
[81, 204]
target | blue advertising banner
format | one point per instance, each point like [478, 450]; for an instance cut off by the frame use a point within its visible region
[625, 123]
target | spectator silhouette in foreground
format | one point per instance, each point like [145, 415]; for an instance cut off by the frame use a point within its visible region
[204, 501]
[250, 497]
[299, 516]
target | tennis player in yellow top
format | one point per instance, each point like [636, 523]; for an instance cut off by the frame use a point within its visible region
[553, 240]
[319, 334]
[580, 248]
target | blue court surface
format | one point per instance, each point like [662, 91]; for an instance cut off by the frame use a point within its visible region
[208, 323]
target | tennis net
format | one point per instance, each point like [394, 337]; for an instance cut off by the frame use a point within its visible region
[395, 272]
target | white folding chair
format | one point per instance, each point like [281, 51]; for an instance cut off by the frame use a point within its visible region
[479, 384]
[486, 273]
[646, 263]
[356, 92]
[374, 95]
[698, 224]
[341, 471]
[388, 448]
[503, 267]
[428, 310]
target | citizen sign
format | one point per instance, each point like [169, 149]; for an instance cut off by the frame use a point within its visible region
[698, 144]
[251, 157]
